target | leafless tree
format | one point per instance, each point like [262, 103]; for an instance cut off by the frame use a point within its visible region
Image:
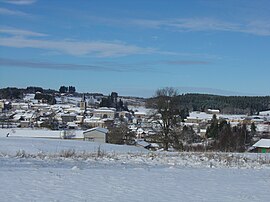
[167, 106]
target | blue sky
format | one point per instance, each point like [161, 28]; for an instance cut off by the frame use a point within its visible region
[136, 47]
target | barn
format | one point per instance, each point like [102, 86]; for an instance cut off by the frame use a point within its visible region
[97, 134]
[262, 146]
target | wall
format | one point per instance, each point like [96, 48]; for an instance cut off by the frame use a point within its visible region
[95, 136]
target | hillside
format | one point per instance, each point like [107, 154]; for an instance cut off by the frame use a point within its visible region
[226, 104]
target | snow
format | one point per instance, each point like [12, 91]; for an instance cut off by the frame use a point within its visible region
[262, 127]
[34, 181]
[205, 116]
[37, 133]
[103, 130]
[265, 113]
[265, 143]
[35, 146]
[35, 169]
[140, 109]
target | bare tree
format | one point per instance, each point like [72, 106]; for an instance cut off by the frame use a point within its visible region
[121, 135]
[167, 106]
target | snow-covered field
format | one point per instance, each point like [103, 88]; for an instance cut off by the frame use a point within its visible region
[66, 170]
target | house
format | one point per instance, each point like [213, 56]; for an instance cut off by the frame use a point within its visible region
[262, 146]
[142, 143]
[96, 122]
[2, 105]
[146, 145]
[202, 133]
[213, 111]
[104, 113]
[139, 117]
[68, 117]
[96, 135]
[24, 124]
[265, 113]
[72, 125]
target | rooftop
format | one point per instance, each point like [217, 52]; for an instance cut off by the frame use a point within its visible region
[265, 143]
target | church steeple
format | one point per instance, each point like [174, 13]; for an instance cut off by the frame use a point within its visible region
[83, 103]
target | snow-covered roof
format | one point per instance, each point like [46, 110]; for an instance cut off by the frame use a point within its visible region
[71, 124]
[205, 116]
[71, 114]
[142, 143]
[104, 109]
[265, 143]
[140, 130]
[262, 127]
[265, 113]
[103, 130]
[199, 115]
[213, 110]
[140, 113]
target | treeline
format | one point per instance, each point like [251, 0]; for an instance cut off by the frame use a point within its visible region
[112, 101]
[11, 93]
[226, 104]
[45, 98]
[69, 89]
[17, 93]
[227, 138]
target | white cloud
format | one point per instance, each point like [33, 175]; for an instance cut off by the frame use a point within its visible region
[75, 48]
[256, 27]
[94, 66]
[19, 32]
[200, 24]
[20, 2]
[17, 38]
[4, 11]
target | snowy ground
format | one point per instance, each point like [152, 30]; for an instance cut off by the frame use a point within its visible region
[65, 170]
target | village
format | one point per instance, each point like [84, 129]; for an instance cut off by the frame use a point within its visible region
[82, 118]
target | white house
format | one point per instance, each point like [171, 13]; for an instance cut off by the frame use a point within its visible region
[96, 135]
[2, 105]
[265, 113]
[104, 112]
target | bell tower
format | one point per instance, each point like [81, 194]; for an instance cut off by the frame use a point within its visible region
[83, 103]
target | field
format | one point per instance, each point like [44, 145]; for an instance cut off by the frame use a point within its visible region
[33, 169]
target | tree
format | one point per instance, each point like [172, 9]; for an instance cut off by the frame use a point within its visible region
[231, 139]
[71, 89]
[213, 130]
[240, 132]
[167, 106]
[120, 135]
[184, 113]
[63, 89]
[45, 97]
[225, 137]
[253, 129]
[105, 102]
[184, 136]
